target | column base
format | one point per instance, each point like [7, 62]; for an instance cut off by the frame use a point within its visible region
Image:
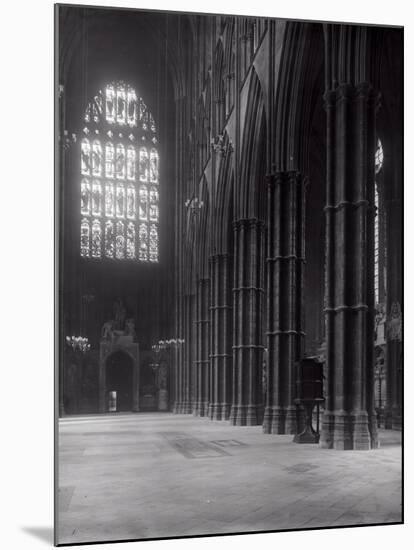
[393, 418]
[219, 411]
[187, 407]
[343, 431]
[246, 415]
[280, 420]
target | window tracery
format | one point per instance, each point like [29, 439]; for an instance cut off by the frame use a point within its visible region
[119, 181]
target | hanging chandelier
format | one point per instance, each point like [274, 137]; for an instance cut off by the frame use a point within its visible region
[78, 343]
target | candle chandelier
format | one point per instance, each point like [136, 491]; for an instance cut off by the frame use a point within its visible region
[78, 343]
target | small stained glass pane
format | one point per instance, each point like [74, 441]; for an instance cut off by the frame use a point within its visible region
[85, 238]
[120, 201]
[143, 164]
[96, 198]
[120, 161]
[121, 105]
[143, 203]
[109, 239]
[152, 124]
[154, 166]
[153, 213]
[131, 163]
[109, 160]
[143, 242]
[131, 208]
[96, 239]
[109, 200]
[130, 241]
[85, 157]
[120, 240]
[153, 243]
[110, 104]
[132, 107]
[85, 198]
[154, 196]
[97, 158]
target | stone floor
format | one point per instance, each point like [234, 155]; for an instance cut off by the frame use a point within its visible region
[149, 475]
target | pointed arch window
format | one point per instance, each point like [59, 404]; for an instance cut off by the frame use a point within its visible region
[119, 177]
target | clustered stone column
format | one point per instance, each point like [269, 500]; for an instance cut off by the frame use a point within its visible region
[221, 334]
[349, 421]
[285, 262]
[185, 404]
[201, 370]
[248, 291]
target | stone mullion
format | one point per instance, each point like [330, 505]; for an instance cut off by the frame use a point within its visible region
[285, 281]
[349, 419]
[247, 299]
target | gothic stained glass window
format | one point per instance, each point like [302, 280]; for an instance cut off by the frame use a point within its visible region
[119, 180]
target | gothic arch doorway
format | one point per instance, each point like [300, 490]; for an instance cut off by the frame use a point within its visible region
[119, 372]
[119, 379]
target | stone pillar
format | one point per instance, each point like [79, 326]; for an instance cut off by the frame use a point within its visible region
[349, 420]
[247, 406]
[201, 366]
[178, 358]
[221, 335]
[285, 263]
[188, 359]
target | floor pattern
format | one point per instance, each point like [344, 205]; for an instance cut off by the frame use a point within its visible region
[137, 476]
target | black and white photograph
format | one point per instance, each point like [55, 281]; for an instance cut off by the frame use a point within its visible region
[229, 274]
